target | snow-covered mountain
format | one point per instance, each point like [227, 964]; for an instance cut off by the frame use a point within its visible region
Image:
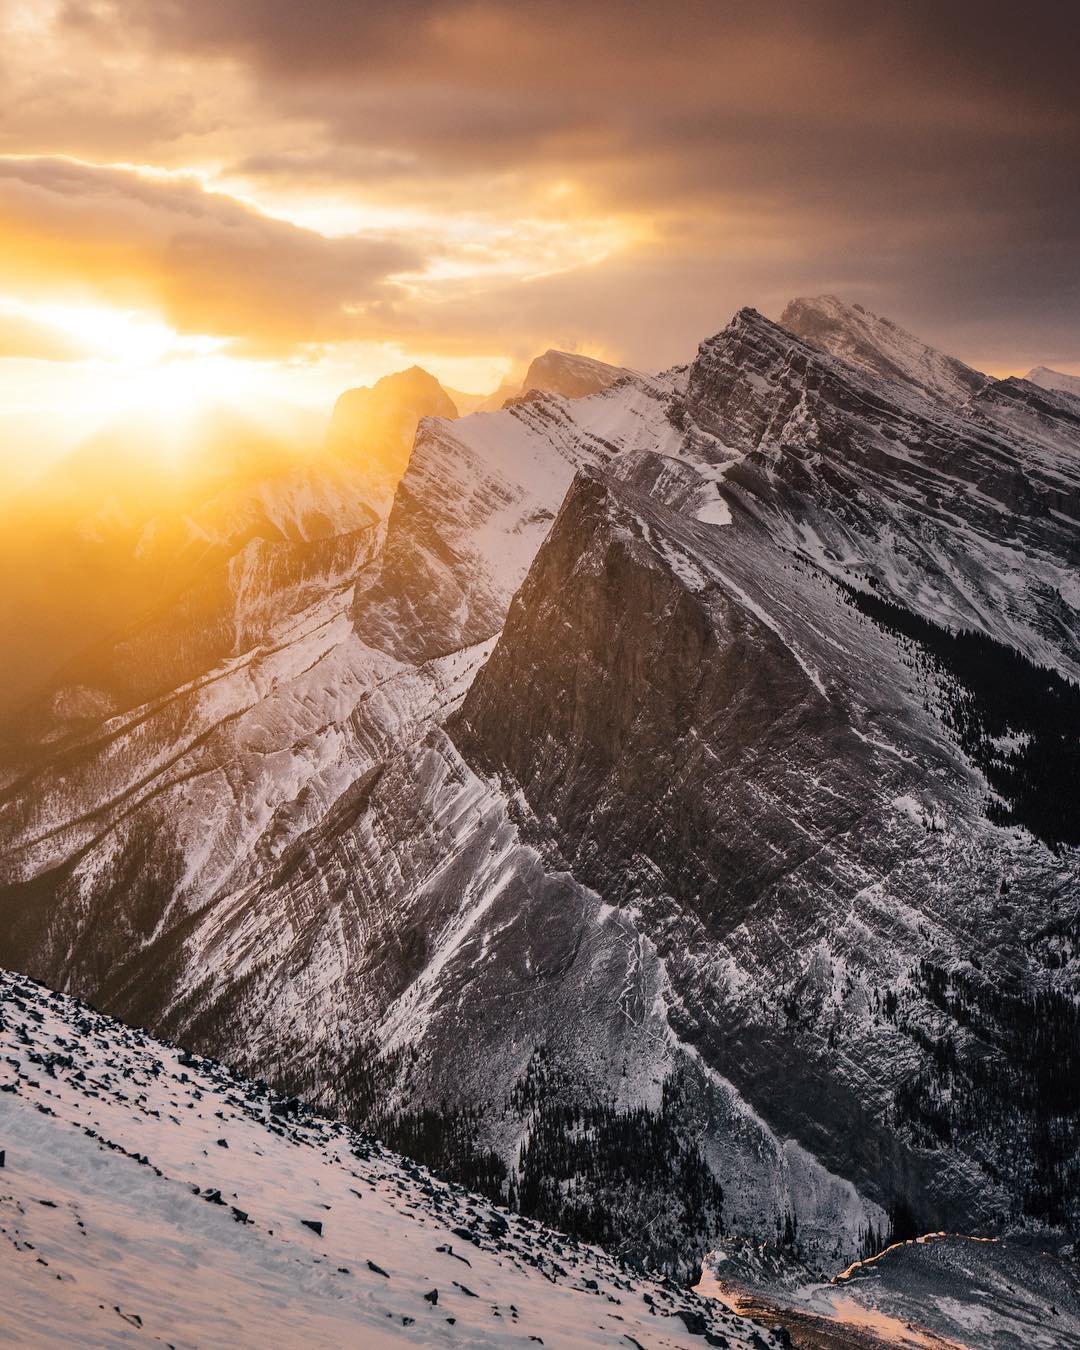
[881, 348]
[145, 1193]
[683, 773]
[1054, 379]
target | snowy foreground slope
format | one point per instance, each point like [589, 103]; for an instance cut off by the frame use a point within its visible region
[146, 1195]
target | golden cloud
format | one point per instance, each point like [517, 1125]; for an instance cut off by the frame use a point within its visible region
[206, 262]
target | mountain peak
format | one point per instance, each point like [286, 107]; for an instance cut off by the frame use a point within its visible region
[376, 424]
[414, 385]
[880, 347]
[570, 374]
[1057, 380]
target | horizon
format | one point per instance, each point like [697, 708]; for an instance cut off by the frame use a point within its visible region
[170, 412]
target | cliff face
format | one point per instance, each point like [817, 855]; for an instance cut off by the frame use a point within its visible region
[649, 703]
[715, 739]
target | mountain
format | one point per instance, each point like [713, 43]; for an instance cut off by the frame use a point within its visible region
[149, 1193]
[881, 348]
[375, 427]
[570, 374]
[682, 774]
[1054, 379]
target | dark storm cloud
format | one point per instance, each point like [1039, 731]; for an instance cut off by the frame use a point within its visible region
[928, 149]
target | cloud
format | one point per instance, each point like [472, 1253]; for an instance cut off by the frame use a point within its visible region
[207, 262]
[26, 339]
[915, 155]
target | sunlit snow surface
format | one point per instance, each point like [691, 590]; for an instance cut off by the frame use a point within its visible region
[145, 1197]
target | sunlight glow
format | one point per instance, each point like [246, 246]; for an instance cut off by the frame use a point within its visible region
[131, 336]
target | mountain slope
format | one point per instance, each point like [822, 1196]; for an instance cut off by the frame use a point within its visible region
[1054, 379]
[654, 788]
[145, 1193]
[880, 348]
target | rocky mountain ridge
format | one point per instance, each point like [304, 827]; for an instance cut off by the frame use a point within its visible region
[638, 794]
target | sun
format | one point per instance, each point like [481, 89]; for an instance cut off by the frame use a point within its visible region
[178, 386]
[131, 364]
[141, 364]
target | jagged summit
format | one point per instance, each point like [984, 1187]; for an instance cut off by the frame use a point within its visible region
[880, 347]
[1054, 379]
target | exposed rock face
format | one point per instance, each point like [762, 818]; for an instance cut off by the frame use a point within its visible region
[881, 348]
[618, 768]
[692, 749]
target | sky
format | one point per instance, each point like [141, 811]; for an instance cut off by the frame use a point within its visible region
[266, 199]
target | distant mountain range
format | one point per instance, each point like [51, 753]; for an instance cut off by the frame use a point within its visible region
[652, 802]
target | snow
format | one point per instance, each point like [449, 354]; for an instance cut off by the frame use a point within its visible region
[1054, 379]
[715, 511]
[145, 1196]
[245, 759]
[880, 347]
